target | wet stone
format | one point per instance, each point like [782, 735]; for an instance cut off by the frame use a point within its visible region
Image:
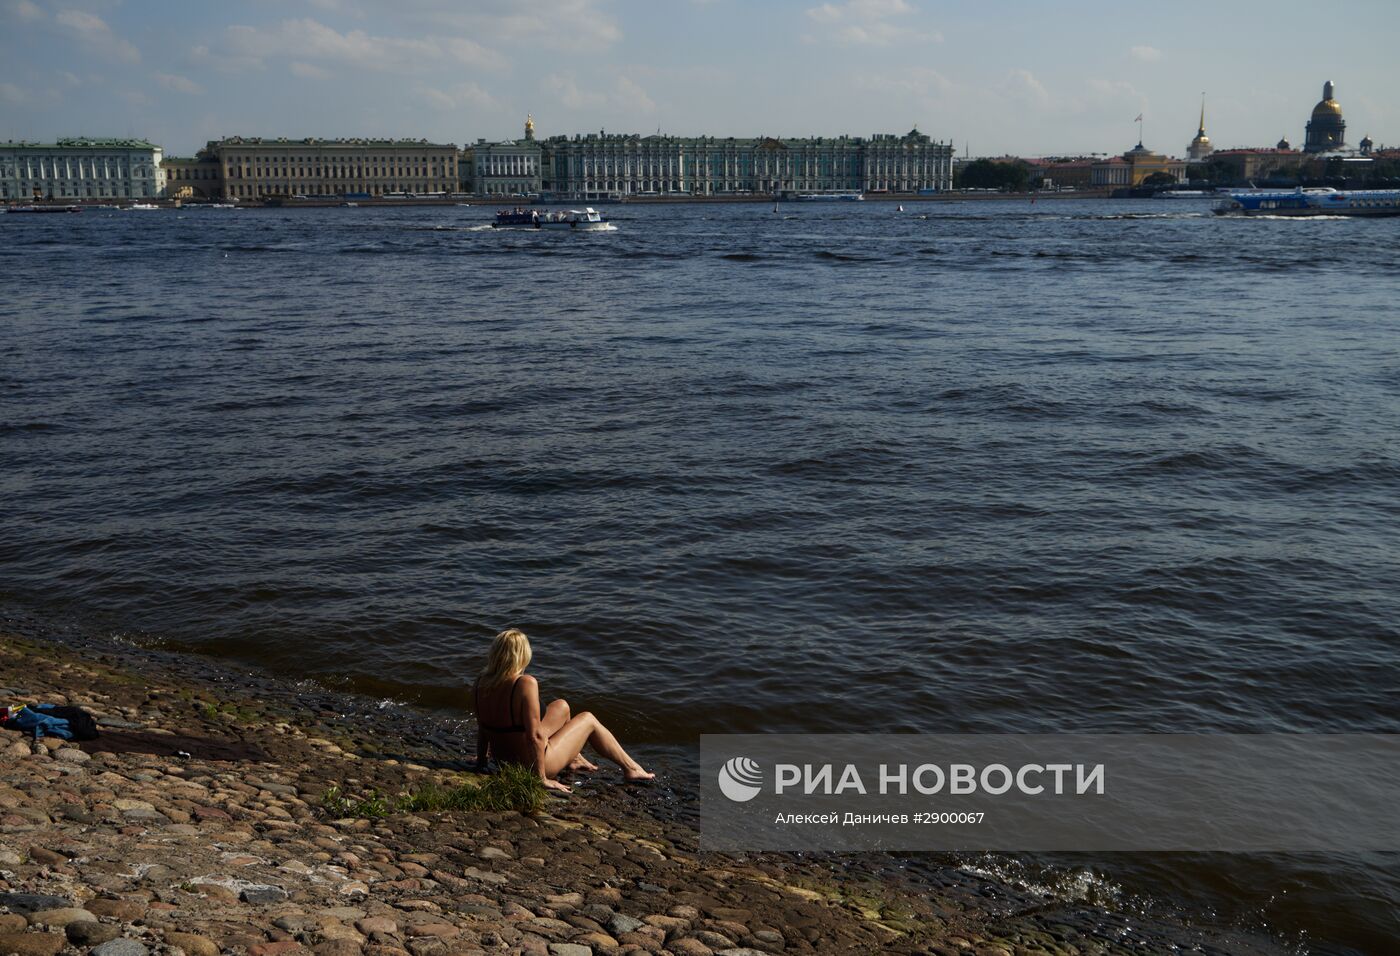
[262, 894]
[59, 918]
[193, 944]
[620, 923]
[30, 902]
[120, 947]
[124, 910]
[90, 933]
[31, 944]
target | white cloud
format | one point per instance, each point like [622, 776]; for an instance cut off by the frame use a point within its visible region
[24, 10]
[1147, 54]
[566, 88]
[308, 71]
[307, 39]
[13, 94]
[457, 97]
[1022, 85]
[94, 33]
[869, 23]
[555, 24]
[624, 95]
[919, 81]
[179, 84]
[205, 58]
[631, 96]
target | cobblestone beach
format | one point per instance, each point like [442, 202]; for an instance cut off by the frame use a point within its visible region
[211, 834]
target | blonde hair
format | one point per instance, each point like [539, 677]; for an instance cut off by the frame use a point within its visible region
[509, 655]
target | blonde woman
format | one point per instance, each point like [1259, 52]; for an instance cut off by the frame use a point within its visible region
[511, 727]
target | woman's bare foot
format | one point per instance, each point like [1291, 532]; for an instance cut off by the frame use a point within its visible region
[635, 773]
[582, 763]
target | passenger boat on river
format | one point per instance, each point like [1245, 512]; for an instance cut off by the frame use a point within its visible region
[578, 220]
[1323, 201]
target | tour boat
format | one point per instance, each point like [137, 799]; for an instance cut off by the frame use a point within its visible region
[578, 220]
[829, 198]
[1322, 201]
[37, 209]
[143, 206]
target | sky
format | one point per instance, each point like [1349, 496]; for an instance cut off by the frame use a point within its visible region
[1021, 78]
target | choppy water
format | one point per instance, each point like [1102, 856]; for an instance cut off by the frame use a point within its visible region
[1075, 466]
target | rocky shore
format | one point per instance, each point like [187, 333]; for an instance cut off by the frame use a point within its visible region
[199, 824]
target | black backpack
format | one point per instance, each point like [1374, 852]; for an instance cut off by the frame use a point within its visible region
[80, 722]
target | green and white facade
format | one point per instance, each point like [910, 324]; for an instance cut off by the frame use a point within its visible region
[602, 165]
[81, 169]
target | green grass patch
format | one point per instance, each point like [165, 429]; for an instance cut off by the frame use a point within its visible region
[512, 787]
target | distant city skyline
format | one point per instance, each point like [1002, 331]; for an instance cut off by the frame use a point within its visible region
[1008, 78]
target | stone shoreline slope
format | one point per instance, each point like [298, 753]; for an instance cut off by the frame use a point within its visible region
[129, 854]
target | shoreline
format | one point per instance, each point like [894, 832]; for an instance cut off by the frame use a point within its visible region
[499, 201]
[149, 847]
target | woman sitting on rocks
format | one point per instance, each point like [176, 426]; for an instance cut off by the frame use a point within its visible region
[511, 728]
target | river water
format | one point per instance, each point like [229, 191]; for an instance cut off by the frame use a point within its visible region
[986, 466]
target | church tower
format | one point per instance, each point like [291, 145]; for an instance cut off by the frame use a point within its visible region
[1326, 130]
[1200, 147]
[529, 128]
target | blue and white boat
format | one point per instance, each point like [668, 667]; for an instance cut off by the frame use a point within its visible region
[1323, 201]
[830, 196]
[578, 220]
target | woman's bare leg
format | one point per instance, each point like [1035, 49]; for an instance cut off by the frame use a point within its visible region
[584, 728]
[556, 715]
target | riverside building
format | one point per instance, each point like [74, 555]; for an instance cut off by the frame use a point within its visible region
[612, 166]
[81, 169]
[507, 168]
[256, 168]
[1135, 166]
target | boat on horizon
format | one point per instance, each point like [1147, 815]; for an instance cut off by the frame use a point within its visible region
[587, 219]
[16, 210]
[1317, 201]
[853, 195]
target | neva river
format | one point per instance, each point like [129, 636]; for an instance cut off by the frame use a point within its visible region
[1000, 467]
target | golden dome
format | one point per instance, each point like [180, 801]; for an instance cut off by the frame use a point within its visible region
[1201, 139]
[1329, 105]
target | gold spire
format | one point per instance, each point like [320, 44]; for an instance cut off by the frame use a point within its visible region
[529, 126]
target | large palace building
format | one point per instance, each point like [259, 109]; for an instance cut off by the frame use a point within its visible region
[598, 166]
[81, 169]
[251, 168]
[613, 166]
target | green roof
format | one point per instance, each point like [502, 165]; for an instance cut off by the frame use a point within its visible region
[83, 142]
[314, 141]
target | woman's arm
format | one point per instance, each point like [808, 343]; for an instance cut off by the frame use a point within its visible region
[534, 729]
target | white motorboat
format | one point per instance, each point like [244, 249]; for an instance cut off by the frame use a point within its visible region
[587, 219]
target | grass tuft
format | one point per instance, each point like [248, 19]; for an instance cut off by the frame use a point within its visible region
[512, 787]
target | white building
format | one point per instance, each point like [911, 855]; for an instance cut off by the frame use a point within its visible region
[81, 169]
[507, 168]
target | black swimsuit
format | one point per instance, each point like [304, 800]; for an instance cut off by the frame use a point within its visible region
[513, 728]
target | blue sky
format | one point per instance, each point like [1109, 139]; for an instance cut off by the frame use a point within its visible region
[1019, 77]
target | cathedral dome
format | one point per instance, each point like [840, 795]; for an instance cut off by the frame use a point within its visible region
[1328, 106]
[1326, 130]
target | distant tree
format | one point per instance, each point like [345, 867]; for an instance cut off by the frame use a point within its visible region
[1159, 179]
[987, 174]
